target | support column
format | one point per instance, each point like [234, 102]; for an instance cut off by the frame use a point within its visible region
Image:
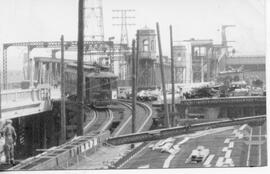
[5, 67]
[208, 64]
[202, 69]
[253, 111]
[242, 111]
[44, 132]
[50, 73]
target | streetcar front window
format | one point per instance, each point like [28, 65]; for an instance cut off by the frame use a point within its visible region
[105, 83]
[114, 83]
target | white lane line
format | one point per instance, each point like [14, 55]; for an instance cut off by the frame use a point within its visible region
[193, 136]
[225, 149]
[220, 162]
[249, 147]
[227, 140]
[228, 154]
[144, 167]
[231, 144]
[243, 127]
[171, 156]
[260, 148]
[229, 162]
[209, 160]
[168, 161]
[133, 156]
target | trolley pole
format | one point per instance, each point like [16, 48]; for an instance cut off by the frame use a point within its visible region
[172, 73]
[63, 96]
[133, 87]
[80, 73]
[167, 121]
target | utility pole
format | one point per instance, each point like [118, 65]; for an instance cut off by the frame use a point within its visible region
[63, 96]
[137, 57]
[0, 94]
[133, 87]
[80, 73]
[172, 72]
[167, 121]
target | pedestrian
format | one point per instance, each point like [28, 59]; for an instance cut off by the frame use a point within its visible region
[10, 138]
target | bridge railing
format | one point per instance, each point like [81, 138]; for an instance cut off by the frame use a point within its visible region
[20, 95]
[225, 100]
[168, 132]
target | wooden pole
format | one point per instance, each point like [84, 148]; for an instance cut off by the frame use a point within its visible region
[133, 87]
[137, 59]
[0, 94]
[80, 73]
[63, 104]
[167, 122]
[172, 71]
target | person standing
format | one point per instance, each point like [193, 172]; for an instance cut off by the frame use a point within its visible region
[10, 138]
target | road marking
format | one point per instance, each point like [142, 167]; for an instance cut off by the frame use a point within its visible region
[172, 155]
[235, 131]
[225, 149]
[249, 147]
[243, 127]
[260, 148]
[231, 144]
[228, 154]
[220, 162]
[144, 167]
[227, 140]
[133, 156]
[209, 160]
[168, 161]
[229, 162]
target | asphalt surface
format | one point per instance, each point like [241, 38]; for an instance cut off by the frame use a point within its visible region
[250, 150]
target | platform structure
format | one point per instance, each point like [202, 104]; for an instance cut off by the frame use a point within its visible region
[23, 102]
[91, 47]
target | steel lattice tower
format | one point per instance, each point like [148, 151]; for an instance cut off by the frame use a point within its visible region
[124, 23]
[93, 20]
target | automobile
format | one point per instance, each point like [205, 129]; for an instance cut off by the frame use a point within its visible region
[163, 145]
[198, 155]
[167, 147]
[256, 91]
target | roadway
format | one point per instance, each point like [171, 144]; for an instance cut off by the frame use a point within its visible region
[223, 143]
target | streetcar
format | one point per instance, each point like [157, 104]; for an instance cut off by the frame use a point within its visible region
[100, 85]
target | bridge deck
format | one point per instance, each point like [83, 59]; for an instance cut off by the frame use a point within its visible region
[218, 101]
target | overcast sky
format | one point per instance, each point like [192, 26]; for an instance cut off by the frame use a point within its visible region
[38, 20]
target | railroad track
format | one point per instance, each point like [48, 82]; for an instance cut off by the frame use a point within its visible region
[103, 118]
[144, 113]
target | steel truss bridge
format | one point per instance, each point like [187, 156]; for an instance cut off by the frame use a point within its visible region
[90, 47]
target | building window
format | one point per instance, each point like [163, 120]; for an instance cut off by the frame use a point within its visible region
[145, 45]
